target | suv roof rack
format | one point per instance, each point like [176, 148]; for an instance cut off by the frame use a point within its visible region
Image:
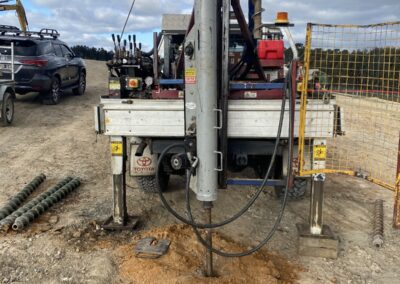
[44, 33]
[9, 29]
[49, 32]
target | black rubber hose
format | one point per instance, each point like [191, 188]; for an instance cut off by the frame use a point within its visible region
[246, 207]
[150, 53]
[140, 149]
[284, 202]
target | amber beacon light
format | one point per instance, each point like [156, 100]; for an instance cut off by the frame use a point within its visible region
[282, 18]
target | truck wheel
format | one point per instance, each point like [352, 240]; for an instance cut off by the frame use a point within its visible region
[54, 95]
[297, 192]
[80, 90]
[149, 184]
[7, 110]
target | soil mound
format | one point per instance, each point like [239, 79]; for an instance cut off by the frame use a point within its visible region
[183, 262]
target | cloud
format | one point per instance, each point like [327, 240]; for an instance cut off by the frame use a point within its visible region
[91, 21]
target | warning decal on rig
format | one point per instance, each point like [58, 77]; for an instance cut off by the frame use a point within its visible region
[319, 152]
[190, 76]
[116, 148]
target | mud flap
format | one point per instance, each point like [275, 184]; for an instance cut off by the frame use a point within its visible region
[144, 165]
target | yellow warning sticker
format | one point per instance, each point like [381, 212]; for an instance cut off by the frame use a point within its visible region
[114, 85]
[319, 152]
[190, 76]
[116, 148]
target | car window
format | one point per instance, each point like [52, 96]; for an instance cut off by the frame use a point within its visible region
[21, 47]
[46, 48]
[58, 50]
[66, 50]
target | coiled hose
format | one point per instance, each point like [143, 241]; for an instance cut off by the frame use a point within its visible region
[285, 197]
[251, 201]
[197, 226]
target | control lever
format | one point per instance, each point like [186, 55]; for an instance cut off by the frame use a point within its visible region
[134, 41]
[115, 45]
[130, 43]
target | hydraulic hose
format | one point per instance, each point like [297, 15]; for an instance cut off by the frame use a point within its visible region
[284, 202]
[150, 52]
[251, 201]
[197, 226]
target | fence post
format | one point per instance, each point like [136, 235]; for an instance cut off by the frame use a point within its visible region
[396, 210]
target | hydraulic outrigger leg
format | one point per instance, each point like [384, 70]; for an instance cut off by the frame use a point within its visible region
[315, 238]
[120, 219]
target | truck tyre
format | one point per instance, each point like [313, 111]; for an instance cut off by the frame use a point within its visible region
[148, 184]
[54, 95]
[80, 90]
[7, 110]
[297, 192]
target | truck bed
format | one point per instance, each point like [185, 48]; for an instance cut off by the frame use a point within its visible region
[257, 119]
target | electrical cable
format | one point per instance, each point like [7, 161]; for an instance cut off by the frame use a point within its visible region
[127, 18]
[285, 198]
[251, 201]
[196, 226]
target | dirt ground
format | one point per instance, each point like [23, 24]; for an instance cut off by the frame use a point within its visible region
[64, 246]
[372, 137]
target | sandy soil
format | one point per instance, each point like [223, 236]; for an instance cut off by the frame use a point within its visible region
[63, 246]
[184, 262]
[371, 142]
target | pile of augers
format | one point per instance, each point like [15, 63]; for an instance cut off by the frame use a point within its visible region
[12, 215]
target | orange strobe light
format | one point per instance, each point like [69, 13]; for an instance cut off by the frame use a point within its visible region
[282, 18]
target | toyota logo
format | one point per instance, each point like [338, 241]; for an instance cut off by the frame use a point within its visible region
[144, 162]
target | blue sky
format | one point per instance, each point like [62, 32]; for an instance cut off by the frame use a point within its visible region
[90, 22]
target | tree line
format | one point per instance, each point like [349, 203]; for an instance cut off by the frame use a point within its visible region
[358, 69]
[93, 53]
[365, 69]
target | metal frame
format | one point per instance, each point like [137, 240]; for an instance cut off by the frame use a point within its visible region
[43, 33]
[165, 118]
[174, 118]
[396, 210]
[302, 130]
[303, 111]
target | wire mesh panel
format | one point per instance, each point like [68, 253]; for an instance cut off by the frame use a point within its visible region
[357, 69]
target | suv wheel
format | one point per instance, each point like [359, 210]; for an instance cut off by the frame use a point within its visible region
[7, 110]
[54, 95]
[80, 90]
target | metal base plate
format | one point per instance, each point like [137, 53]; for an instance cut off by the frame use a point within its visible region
[151, 248]
[129, 225]
[324, 245]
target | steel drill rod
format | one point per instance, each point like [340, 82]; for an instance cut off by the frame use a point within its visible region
[15, 202]
[377, 239]
[30, 215]
[6, 223]
[209, 254]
